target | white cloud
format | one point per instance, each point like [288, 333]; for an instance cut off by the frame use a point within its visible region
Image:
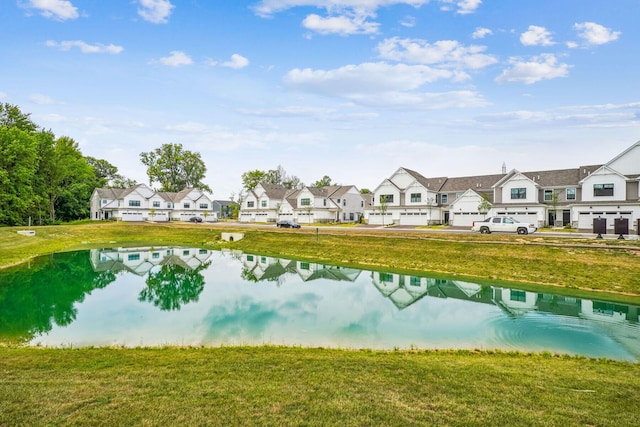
[595, 34]
[3, 96]
[38, 98]
[84, 47]
[481, 33]
[343, 25]
[447, 53]
[543, 67]
[236, 62]
[408, 21]
[536, 36]
[366, 78]
[176, 59]
[468, 6]
[267, 8]
[464, 7]
[54, 9]
[384, 85]
[155, 11]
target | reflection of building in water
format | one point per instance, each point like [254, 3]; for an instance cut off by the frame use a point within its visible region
[273, 269]
[141, 260]
[404, 290]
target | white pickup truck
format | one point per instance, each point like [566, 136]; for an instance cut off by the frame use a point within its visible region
[503, 224]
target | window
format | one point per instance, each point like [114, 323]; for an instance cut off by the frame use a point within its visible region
[338, 201]
[104, 201]
[324, 202]
[414, 281]
[571, 193]
[133, 257]
[204, 205]
[186, 205]
[134, 202]
[444, 199]
[344, 202]
[518, 193]
[263, 203]
[603, 189]
[386, 277]
[249, 258]
[305, 202]
[520, 296]
[155, 255]
[548, 195]
[304, 266]
[249, 204]
[386, 198]
[186, 252]
[416, 197]
[156, 204]
[169, 204]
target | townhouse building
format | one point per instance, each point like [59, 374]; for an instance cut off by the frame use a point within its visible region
[141, 203]
[566, 197]
[273, 202]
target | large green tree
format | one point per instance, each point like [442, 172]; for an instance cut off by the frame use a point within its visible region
[42, 177]
[277, 176]
[325, 181]
[175, 168]
[18, 171]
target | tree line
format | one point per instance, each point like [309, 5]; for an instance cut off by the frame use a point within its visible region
[46, 180]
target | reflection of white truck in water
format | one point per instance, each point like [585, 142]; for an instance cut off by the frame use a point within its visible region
[504, 224]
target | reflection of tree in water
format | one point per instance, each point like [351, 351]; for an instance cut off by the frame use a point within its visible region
[173, 285]
[33, 299]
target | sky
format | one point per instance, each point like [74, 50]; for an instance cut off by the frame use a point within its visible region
[352, 89]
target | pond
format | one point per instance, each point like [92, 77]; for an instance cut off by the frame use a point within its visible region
[192, 297]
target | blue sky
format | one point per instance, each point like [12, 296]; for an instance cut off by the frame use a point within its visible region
[353, 89]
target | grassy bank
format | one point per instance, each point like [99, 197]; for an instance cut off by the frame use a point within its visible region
[583, 265]
[294, 386]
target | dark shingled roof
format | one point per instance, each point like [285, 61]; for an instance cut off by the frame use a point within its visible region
[476, 183]
[433, 184]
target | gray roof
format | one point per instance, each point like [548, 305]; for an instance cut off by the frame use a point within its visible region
[434, 184]
[560, 177]
[476, 183]
[275, 191]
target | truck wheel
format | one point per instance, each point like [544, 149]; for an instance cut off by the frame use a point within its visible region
[485, 230]
[522, 231]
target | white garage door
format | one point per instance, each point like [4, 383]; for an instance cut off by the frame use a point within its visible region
[413, 218]
[461, 219]
[132, 216]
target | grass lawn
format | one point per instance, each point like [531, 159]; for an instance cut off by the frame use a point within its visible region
[315, 387]
[303, 386]
[587, 267]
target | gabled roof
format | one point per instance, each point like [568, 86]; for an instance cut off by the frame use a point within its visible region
[109, 193]
[477, 183]
[560, 177]
[604, 168]
[274, 191]
[433, 184]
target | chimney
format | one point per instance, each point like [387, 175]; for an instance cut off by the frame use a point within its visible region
[504, 168]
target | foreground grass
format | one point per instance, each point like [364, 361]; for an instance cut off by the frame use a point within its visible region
[295, 386]
[584, 265]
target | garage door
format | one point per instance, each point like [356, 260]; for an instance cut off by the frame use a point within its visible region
[413, 218]
[132, 216]
[462, 219]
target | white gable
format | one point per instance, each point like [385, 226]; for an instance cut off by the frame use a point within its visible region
[468, 202]
[604, 176]
[402, 179]
[628, 162]
[519, 181]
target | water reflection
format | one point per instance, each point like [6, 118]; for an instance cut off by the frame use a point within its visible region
[153, 296]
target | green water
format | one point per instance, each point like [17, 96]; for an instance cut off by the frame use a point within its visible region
[190, 296]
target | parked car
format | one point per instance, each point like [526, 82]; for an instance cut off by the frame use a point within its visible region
[286, 223]
[504, 224]
[195, 219]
